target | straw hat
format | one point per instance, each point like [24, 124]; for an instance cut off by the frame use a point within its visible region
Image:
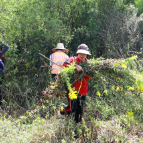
[60, 46]
[83, 48]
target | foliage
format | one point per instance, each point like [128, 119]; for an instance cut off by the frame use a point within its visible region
[30, 27]
[121, 32]
[109, 28]
[103, 121]
[27, 35]
[115, 72]
[138, 4]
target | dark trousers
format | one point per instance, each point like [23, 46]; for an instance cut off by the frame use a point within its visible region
[1, 80]
[0, 96]
[54, 77]
[80, 107]
[77, 106]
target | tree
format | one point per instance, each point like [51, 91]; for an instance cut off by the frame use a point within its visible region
[120, 32]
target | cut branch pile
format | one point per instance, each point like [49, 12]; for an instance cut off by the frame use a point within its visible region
[118, 72]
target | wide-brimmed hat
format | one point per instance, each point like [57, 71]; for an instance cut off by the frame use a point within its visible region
[83, 48]
[60, 46]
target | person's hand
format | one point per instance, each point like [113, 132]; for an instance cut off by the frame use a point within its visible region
[79, 68]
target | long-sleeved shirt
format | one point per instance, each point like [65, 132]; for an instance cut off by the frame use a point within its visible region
[80, 85]
[3, 48]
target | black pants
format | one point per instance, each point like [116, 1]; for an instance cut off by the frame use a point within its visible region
[76, 106]
[80, 105]
[1, 80]
[54, 77]
[0, 96]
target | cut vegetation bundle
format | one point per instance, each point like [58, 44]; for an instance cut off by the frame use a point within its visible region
[108, 75]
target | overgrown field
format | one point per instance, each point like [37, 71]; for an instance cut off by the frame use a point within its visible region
[114, 120]
[114, 112]
[114, 106]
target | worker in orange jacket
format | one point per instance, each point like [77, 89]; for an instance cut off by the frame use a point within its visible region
[58, 57]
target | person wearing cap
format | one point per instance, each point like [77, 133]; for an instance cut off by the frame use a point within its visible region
[81, 86]
[59, 58]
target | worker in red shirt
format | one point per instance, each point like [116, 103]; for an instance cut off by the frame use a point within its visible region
[78, 105]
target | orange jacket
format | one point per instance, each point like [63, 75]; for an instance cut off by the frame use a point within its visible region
[58, 57]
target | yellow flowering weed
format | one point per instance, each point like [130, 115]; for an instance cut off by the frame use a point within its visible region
[73, 95]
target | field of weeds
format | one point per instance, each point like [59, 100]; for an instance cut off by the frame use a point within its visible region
[102, 122]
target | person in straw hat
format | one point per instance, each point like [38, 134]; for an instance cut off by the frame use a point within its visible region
[81, 86]
[58, 57]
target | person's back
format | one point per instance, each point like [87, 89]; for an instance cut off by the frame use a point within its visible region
[58, 57]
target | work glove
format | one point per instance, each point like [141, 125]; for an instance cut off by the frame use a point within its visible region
[79, 68]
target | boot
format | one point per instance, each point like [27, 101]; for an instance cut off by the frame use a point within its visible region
[65, 110]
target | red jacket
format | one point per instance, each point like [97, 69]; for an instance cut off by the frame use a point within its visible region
[80, 85]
